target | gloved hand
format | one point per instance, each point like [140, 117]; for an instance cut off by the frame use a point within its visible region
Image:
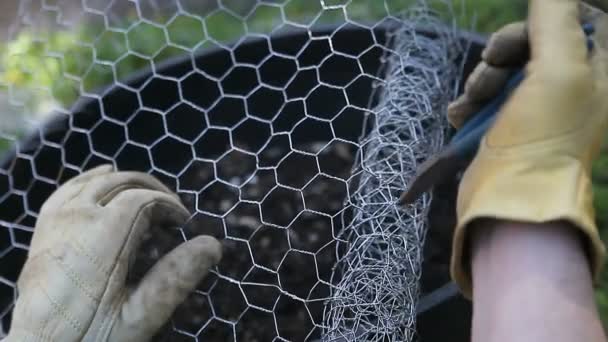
[534, 164]
[72, 287]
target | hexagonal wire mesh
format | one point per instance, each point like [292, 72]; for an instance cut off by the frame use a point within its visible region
[287, 137]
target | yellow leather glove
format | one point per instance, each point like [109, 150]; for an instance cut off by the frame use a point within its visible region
[72, 287]
[534, 164]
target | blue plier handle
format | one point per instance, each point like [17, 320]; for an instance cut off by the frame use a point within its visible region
[464, 144]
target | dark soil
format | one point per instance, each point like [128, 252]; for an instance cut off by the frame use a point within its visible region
[270, 281]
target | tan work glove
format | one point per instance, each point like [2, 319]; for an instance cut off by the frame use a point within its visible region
[72, 287]
[534, 163]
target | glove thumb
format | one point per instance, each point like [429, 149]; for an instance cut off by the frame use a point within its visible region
[163, 288]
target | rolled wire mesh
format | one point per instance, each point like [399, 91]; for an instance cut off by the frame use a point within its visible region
[253, 112]
[376, 281]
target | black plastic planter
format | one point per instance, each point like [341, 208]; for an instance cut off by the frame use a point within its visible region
[239, 122]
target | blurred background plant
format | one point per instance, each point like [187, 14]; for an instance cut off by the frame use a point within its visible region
[43, 71]
[60, 65]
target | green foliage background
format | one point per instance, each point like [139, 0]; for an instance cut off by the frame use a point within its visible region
[31, 62]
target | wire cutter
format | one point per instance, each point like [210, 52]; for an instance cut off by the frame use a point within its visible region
[463, 146]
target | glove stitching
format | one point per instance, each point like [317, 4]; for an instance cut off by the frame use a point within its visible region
[46, 321]
[109, 320]
[61, 310]
[96, 261]
[76, 280]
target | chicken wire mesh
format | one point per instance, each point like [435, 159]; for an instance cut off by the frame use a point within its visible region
[287, 127]
[376, 282]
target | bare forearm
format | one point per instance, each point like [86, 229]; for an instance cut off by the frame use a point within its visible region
[532, 283]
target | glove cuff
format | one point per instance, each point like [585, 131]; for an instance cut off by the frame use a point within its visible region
[529, 191]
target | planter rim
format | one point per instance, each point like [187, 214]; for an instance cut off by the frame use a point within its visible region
[55, 120]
